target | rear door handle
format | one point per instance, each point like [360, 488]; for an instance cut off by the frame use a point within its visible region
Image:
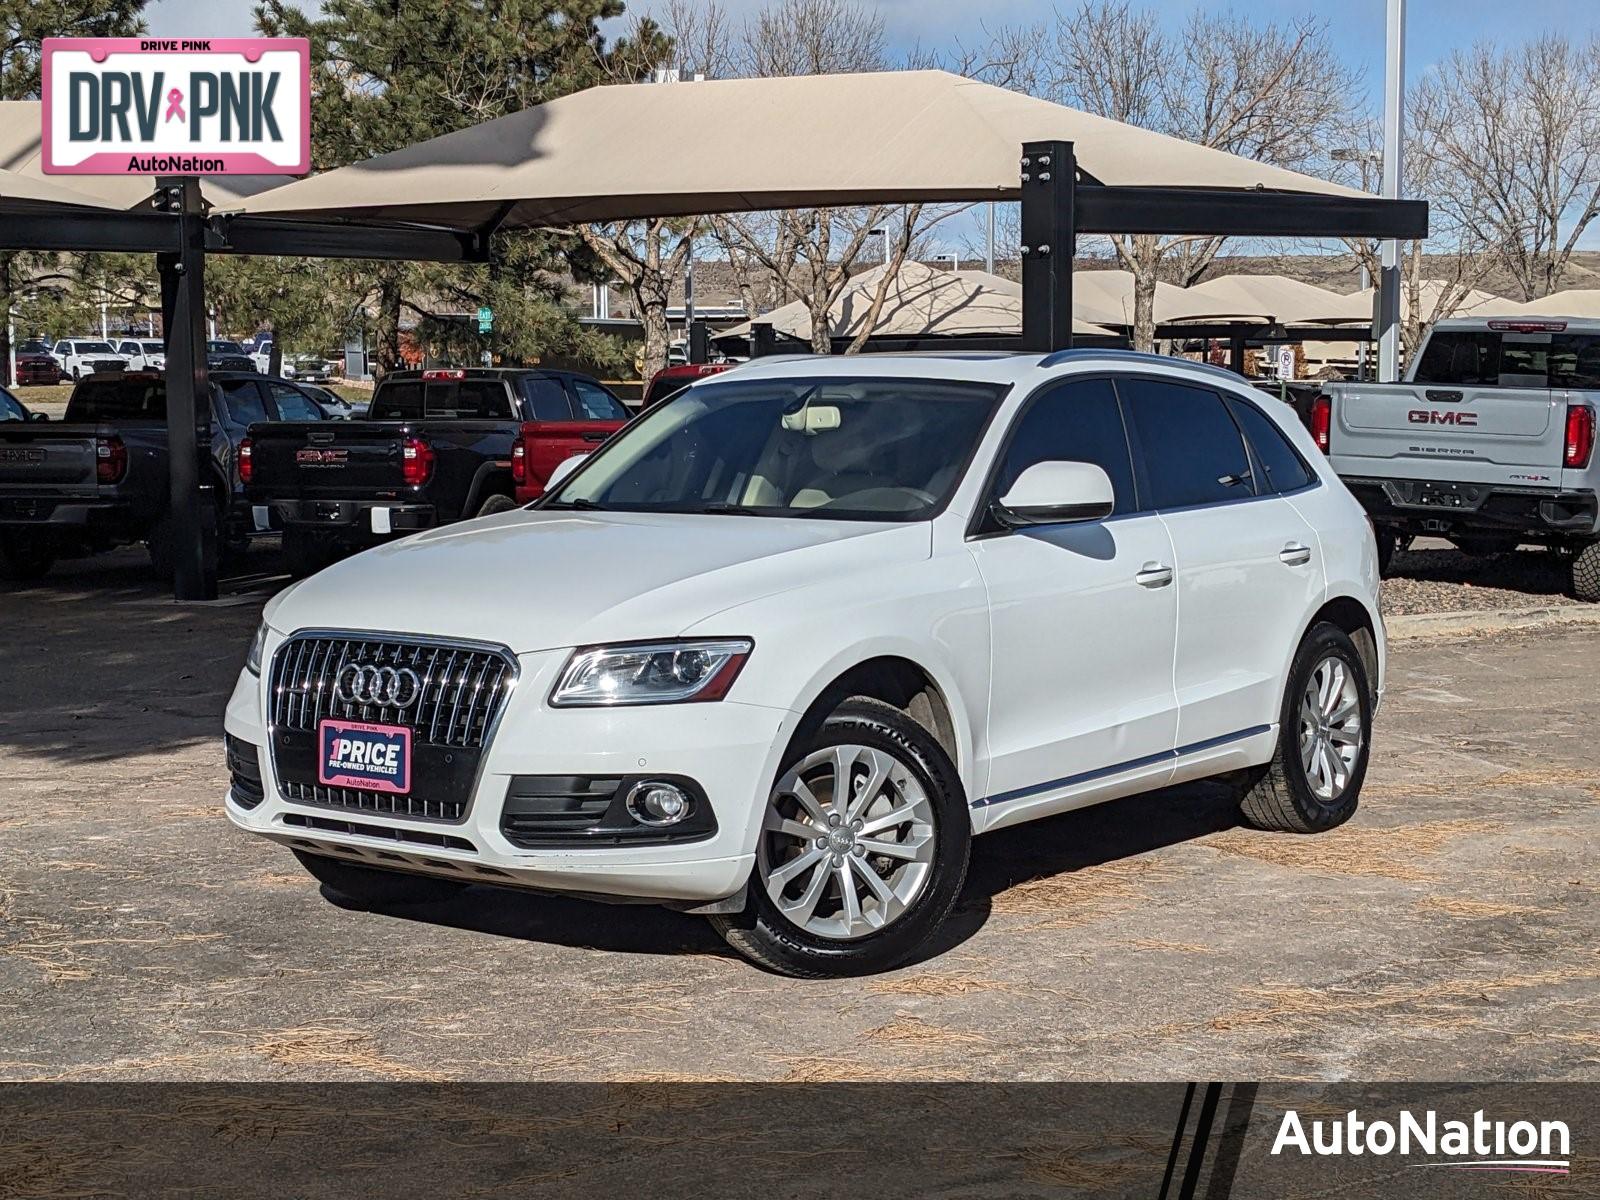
[1154, 575]
[1295, 555]
[595, 436]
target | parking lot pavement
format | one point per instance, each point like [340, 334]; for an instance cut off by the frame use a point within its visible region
[1446, 933]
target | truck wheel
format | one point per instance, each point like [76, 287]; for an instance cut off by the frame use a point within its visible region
[1584, 567]
[1313, 782]
[862, 852]
[25, 555]
[370, 887]
[305, 553]
[496, 504]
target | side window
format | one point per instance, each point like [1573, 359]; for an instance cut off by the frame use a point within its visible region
[1075, 422]
[1285, 469]
[485, 399]
[293, 404]
[595, 403]
[243, 401]
[546, 398]
[1192, 450]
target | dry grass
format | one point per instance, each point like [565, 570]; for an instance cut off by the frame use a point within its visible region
[808, 1069]
[1095, 1165]
[1460, 906]
[54, 950]
[1077, 897]
[1156, 944]
[327, 1045]
[912, 1031]
[1441, 1004]
[1354, 850]
[936, 986]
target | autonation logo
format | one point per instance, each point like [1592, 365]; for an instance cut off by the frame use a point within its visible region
[1476, 1145]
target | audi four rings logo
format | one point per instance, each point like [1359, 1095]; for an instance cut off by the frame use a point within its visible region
[390, 687]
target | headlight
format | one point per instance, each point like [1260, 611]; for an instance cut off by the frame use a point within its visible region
[252, 662]
[650, 673]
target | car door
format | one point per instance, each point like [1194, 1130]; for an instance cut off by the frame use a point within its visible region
[1083, 618]
[1248, 571]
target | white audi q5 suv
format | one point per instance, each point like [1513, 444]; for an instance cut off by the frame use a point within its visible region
[785, 644]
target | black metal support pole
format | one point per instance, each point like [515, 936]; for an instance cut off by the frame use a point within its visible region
[183, 313]
[699, 342]
[1049, 241]
[762, 340]
[1236, 355]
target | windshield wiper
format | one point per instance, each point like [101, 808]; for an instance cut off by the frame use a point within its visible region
[579, 504]
[719, 507]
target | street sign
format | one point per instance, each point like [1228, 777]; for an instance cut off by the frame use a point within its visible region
[485, 319]
[1285, 362]
[161, 106]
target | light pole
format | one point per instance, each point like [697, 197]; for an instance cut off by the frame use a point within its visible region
[1375, 160]
[1394, 89]
[988, 258]
[952, 256]
[883, 233]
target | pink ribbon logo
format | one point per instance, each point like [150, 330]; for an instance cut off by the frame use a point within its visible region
[174, 105]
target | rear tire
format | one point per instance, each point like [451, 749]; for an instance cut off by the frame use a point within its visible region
[369, 887]
[1584, 573]
[496, 504]
[1311, 784]
[25, 555]
[904, 874]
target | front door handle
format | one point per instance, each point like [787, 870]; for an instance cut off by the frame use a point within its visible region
[1154, 575]
[1295, 555]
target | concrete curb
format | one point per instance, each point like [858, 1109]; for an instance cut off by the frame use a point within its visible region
[1421, 626]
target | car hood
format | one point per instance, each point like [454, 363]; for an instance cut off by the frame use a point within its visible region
[534, 580]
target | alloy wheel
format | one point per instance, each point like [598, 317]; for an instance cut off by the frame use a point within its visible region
[1331, 732]
[847, 842]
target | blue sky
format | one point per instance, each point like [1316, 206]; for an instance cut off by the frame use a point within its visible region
[1434, 27]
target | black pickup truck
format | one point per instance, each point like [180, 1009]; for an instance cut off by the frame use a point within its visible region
[99, 477]
[436, 447]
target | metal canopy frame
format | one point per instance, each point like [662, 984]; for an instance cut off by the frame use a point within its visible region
[1057, 205]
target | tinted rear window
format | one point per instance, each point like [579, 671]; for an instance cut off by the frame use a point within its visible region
[1488, 358]
[411, 399]
[118, 400]
[665, 388]
[546, 398]
[1286, 470]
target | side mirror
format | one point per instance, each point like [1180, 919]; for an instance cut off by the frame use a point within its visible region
[564, 468]
[38, 416]
[1053, 493]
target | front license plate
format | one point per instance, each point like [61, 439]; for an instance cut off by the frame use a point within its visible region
[352, 754]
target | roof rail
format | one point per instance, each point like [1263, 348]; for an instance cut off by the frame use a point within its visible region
[1060, 357]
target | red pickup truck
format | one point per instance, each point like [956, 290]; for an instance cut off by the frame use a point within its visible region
[543, 444]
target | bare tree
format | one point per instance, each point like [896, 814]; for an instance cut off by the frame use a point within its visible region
[1515, 135]
[1269, 92]
[637, 254]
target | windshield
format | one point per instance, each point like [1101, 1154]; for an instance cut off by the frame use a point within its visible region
[222, 347]
[151, 347]
[839, 449]
[95, 348]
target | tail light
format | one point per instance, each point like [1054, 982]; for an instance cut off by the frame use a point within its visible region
[416, 461]
[247, 462]
[1580, 435]
[444, 373]
[519, 463]
[110, 460]
[1322, 421]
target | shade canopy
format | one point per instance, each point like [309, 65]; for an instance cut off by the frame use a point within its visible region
[1574, 302]
[1471, 303]
[920, 302]
[21, 152]
[1268, 299]
[38, 191]
[636, 150]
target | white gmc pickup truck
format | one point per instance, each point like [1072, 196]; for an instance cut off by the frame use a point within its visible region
[1489, 442]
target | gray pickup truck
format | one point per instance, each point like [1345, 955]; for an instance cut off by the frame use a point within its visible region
[99, 478]
[1489, 442]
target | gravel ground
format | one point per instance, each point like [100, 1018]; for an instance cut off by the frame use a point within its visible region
[1433, 576]
[1445, 933]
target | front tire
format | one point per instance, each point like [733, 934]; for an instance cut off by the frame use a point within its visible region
[496, 504]
[856, 879]
[369, 887]
[1313, 782]
[1584, 573]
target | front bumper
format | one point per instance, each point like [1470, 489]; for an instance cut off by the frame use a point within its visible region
[1441, 505]
[730, 750]
[352, 516]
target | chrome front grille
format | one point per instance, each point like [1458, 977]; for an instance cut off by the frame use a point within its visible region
[464, 686]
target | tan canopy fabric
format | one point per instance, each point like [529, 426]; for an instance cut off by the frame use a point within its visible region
[1574, 302]
[43, 191]
[921, 302]
[21, 151]
[738, 145]
[1265, 298]
[1109, 294]
[1474, 303]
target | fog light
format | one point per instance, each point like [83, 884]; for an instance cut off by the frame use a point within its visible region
[655, 803]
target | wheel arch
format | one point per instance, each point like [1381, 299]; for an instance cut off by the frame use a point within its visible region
[1360, 623]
